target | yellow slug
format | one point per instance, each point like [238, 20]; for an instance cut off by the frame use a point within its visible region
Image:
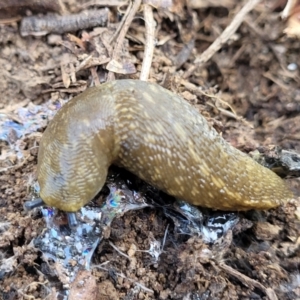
[156, 135]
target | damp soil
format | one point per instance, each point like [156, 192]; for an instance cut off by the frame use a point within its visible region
[250, 94]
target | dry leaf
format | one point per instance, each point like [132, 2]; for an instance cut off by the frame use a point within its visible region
[121, 68]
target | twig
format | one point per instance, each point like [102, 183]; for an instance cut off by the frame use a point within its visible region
[17, 166]
[288, 8]
[197, 91]
[95, 76]
[121, 23]
[103, 3]
[271, 77]
[35, 25]
[223, 38]
[122, 34]
[165, 238]
[149, 45]
[248, 281]
[118, 250]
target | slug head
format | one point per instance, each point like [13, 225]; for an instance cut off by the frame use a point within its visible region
[75, 152]
[69, 179]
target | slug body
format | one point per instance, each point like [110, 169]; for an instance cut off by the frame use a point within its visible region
[156, 135]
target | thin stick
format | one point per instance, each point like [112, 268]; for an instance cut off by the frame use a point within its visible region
[248, 281]
[121, 23]
[149, 45]
[198, 92]
[118, 250]
[223, 38]
[165, 237]
[123, 31]
[288, 8]
[35, 25]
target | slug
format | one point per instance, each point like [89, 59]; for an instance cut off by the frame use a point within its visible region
[156, 135]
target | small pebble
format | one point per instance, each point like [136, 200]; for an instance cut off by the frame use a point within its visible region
[292, 67]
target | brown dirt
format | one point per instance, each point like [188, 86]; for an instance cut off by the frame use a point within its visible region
[260, 107]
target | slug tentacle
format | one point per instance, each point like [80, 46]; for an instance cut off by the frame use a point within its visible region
[156, 135]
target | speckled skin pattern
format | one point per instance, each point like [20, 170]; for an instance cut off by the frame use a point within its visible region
[156, 135]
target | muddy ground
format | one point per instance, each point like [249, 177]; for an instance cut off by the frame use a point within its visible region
[250, 94]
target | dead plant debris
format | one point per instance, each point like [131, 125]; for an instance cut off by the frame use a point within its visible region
[236, 62]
